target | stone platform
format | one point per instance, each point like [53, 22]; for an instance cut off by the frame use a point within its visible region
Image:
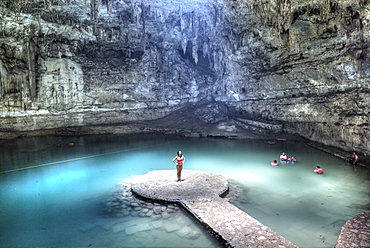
[356, 232]
[199, 193]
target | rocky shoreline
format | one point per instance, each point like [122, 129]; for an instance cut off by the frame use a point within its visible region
[225, 129]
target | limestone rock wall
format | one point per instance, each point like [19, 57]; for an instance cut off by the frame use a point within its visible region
[303, 64]
[313, 69]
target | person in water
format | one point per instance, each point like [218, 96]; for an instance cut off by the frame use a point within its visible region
[283, 157]
[275, 163]
[292, 159]
[353, 159]
[318, 170]
[179, 161]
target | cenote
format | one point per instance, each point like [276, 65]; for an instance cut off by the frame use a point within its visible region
[53, 195]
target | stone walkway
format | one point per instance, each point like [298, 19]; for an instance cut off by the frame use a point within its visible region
[200, 193]
[356, 232]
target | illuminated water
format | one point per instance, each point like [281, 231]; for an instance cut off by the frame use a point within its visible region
[62, 204]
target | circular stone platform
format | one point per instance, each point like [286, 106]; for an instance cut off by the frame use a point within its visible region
[162, 185]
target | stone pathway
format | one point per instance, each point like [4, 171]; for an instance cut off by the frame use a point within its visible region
[200, 193]
[356, 232]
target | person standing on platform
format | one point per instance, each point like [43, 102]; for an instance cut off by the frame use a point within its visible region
[179, 161]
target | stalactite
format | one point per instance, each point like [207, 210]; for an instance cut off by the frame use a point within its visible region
[283, 15]
[195, 39]
[184, 43]
[215, 61]
[183, 23]
[205, 49]
[137, 14]
[142, 16]
[195, 50]
[158, 57]
[31, 61]
[3, 76]
[13, 82]
[94, 8]
[31, 68]
[191, 21]
[109, 6]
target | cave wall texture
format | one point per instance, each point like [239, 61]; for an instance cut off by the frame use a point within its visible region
[303, 64]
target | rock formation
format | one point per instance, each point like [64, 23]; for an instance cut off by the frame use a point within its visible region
[300, 65]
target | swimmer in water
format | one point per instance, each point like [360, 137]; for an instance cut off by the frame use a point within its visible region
[275, 163]
[292, 159]
[283, 157]
[318, 170]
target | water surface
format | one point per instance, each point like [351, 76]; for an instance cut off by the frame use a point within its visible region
[60, 199]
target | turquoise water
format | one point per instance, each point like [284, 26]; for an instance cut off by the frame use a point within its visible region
[60, 200]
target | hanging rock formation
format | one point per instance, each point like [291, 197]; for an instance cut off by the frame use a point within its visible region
[301, 66]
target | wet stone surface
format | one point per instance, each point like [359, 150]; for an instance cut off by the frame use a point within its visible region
[199, 194]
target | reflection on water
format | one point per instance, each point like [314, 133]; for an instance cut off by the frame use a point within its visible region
[61, 200]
